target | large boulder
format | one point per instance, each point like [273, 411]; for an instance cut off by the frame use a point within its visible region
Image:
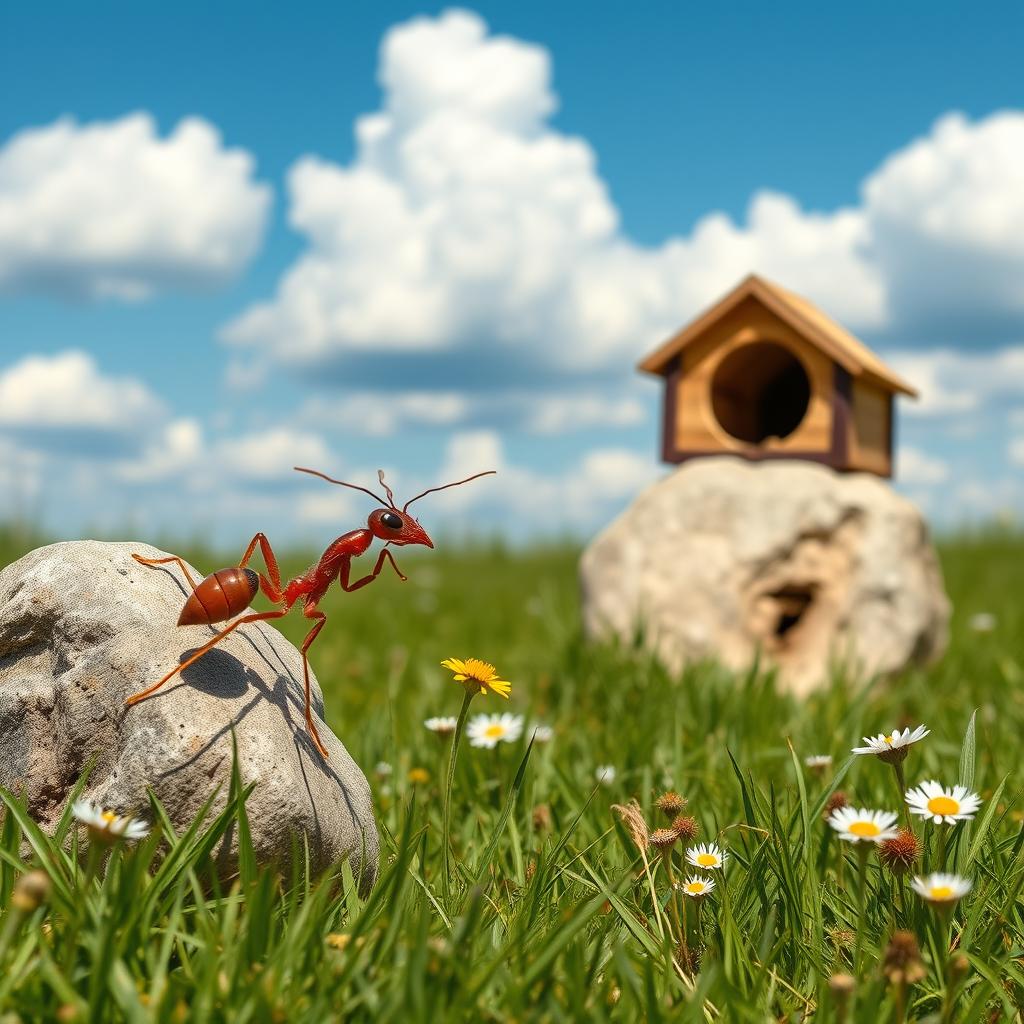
[82, 626]
[728, 559]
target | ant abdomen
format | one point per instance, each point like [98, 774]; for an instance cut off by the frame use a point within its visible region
[222, 595]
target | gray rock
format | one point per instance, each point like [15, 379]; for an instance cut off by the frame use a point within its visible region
[725, 558]
[82, 626]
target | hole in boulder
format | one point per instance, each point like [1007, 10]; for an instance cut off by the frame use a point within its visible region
[792, 603]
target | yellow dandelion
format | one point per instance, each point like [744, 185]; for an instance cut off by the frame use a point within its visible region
[477, 676]
[419, 776]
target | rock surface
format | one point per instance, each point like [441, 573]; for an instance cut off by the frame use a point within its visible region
[82, 626]
[724, 558]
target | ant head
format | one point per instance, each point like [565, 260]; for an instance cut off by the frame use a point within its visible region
[397, 528]
[390, 523]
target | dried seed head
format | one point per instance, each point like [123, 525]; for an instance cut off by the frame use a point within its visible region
[900, 854]
[633, 818]
[670, 804]
[31, 890]
[842, 986]
[663, 838]
[833, 803]
[902, 965]
[541, 818]
[686, 829]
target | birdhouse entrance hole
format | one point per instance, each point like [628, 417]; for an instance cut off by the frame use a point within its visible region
[760, 392]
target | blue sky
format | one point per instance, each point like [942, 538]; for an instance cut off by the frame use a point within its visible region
[157, 372]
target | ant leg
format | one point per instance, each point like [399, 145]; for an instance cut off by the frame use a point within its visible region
[271, 587]
[346, 568]
[312, 612]
[164, 561]
[254, 617]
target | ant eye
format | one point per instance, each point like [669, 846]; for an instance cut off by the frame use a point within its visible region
[392, 520]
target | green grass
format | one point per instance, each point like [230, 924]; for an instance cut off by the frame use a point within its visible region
[558, 923]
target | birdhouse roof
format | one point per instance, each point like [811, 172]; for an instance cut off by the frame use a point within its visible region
[803, 316]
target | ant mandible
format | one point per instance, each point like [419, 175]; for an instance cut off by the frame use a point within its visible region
[229, 591]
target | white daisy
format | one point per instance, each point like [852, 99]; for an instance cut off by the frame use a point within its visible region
[443, 726]
[930, 800]
[106, 826]
[892, 747]
[605, 774]
[383, 769]
[698, 886]
[861, 825]
[708, 856]
[941, 888]
[982, 622]
[543, 734]
[818, 761]
[490, 730]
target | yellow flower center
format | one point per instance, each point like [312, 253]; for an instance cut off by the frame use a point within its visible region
[891, 739]
[494, 731]
[943, 805]
[108, 816]
[865, 829]
[707, 860]
[695, 887]
[941, 892]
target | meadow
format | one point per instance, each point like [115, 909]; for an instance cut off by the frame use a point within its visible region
[554, 910]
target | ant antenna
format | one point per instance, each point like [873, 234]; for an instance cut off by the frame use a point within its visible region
[355, 487]
[430, 490]
[387, 490]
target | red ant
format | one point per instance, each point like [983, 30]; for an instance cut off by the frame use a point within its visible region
[230, 591]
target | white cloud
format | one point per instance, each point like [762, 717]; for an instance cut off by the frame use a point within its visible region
[946, 216]
[465, 222]
[558, 414]
[954, 382]
[272, 454]
[1015, 451]
[576, 499]
[69, 391]
[110, 209]
[383, 413]
[917, 468]
[177, 449]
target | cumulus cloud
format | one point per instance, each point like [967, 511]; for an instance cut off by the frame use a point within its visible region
[111, 209]
[955, 382]
[917, 468]
[469, 229]
[467, 224]
[946, 219]
[65, 400]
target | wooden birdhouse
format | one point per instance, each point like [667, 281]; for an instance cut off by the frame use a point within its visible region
[766, 375]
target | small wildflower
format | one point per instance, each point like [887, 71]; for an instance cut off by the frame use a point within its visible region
[818, 762]
[605, 774]
[942, 888]
[982, 622]
[541, 818]
[338, 940]
[670, 804]
[31, 891]
[930, 800]
[862, 825]
[900, 853]
[633, 818]
[106, 826]
[418, 776]
[477, 676]
[490, 730]
[663, 839]
[708, 856]
[892, 747]
[686, 828]
[903, 964]
[382, 769]
[542, 734]
[698, 887]
[835, 801]
[443, 726]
